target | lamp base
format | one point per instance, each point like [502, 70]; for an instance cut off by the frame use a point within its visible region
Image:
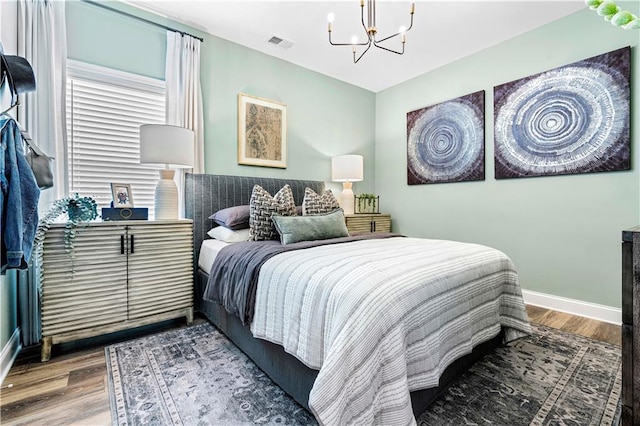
[166, 196]
[347, 202]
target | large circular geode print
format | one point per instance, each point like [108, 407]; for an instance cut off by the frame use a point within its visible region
[445, 142]
[573, 119]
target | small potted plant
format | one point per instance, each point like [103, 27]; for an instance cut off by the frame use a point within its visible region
[367, 203]
[79, 211]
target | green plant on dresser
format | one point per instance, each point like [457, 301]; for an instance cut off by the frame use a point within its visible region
[79, 210]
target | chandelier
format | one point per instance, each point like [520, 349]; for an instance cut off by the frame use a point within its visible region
[371, 30]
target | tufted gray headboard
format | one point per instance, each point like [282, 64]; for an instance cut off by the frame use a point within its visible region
[206, 194]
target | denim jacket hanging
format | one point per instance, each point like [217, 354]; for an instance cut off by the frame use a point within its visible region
[20, 194]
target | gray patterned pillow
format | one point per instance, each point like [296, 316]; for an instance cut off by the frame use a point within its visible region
[313, 203]
[262, 206]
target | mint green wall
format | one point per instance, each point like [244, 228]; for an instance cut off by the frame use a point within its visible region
[326, 117]
[8, 316]
[105, 38]
[563, 233]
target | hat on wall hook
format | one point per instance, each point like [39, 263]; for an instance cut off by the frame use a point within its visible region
[18, 73]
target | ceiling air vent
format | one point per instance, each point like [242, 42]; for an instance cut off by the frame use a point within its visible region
[280, 42]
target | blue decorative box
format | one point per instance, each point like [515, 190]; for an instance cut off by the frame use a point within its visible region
[125, 213]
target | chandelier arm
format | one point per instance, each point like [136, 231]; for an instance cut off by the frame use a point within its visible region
[398, 33]
[387, 38]
[345, 44]
[355, 61]
[375, 43]
[364, 43]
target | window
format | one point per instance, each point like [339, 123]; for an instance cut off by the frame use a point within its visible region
[105, 109]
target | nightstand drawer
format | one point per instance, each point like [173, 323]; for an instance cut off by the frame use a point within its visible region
[367, 223]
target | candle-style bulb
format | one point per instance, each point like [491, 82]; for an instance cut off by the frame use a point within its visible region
[331, 17]
[354, 40]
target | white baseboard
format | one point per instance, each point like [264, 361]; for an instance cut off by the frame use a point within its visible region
[8, 354]
[574, 307]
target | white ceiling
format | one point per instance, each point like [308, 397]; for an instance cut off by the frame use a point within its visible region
[443, 31]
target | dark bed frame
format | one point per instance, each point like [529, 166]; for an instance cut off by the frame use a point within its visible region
[206, 194]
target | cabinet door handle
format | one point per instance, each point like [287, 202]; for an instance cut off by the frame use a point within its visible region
[132, 250]
[121, 244]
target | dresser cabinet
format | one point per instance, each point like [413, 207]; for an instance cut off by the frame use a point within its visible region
[121, 275]
[631, 327]
[367, 223]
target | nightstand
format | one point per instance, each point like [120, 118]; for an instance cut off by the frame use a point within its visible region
[124, 274]
[368, 223]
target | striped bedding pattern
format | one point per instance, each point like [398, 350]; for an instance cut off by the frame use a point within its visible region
[381, 318]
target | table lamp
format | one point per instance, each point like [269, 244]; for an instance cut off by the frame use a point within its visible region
[170, 147]
[347, 169]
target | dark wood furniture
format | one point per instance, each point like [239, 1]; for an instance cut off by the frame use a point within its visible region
[206, 194]
[631, 327]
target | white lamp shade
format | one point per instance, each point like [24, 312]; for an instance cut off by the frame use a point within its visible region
[347, 168]
[167, 146]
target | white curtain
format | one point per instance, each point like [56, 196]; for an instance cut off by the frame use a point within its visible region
[184, 97]
[42, 40]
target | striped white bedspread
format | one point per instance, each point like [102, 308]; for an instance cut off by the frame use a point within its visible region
[381, 318]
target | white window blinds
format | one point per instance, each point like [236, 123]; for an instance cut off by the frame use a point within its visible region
[105, 109]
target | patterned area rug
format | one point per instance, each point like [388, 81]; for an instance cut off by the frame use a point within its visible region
[195, 375]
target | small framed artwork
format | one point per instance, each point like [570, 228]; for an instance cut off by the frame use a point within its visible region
[262, 132]
[121, 194]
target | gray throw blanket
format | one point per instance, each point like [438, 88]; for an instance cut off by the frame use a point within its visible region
[233, 278]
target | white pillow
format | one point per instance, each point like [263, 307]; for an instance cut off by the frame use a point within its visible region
[228, 235]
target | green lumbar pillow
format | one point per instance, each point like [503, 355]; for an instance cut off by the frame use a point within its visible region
[293, 229]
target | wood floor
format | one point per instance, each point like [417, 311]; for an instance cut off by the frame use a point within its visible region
[71, 389]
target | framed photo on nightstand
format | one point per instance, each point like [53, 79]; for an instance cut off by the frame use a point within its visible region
[121, 195]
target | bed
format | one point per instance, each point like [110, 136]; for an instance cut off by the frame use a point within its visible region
[206, 194]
